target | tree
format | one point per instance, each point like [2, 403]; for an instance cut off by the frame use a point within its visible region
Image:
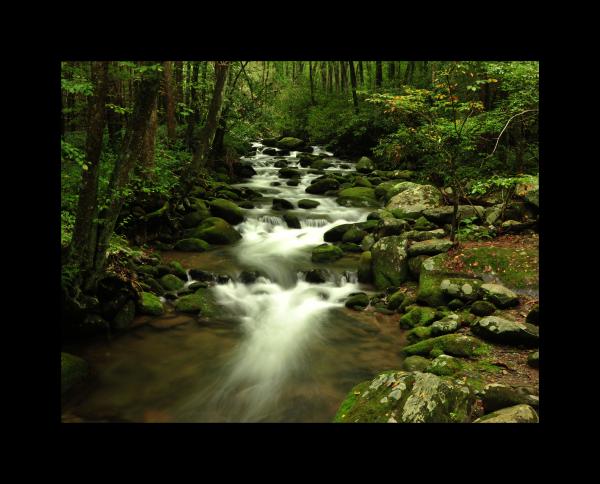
[194, 117]
[378, 74]
[353, 82]
[169, 99]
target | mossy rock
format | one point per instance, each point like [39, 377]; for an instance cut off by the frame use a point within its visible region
[455, 304]
[336, 233]
[413, 201]
[429, 247]
[414, 265]
[354, 235]
[501, 330]
[445, 365]
[483, 308]
[321, 164]
[226, 210]
[391, 226]
[497, 395]
[326, 253]
[418, 334]
[289, 173]
[423, 224]
[171, 282]
[73, 371]
[446, 325]
[389, 262]
[192, 245]
[357, 197]
[367, 242]
[291, 143]
[365, 273]
[350, 247]
[419, 316]
[407, 397]
[292, 221]
[319, 187]
[361, 181]
[147, 269]
[155, 286]
[451, 344]
[215, 230]
[307, 204]
[282, 204]
[395, 300]
[364, 165]
[533, 317]
[150, 304]
[388, 189]
[415, 363]
[125, 316]
[462, 288]
[516, 414]
[357, 301]
[533, 359]
[499, 295]
[201, 301]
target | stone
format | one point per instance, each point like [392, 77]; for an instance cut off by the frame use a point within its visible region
[446, 325]
[226, 210]
[429, 247]
[388, 189]
[336, 233]
[150, 304]
[533, 315]
[319, 187]
[414, 265]
[501, 330]
[367, 242]
[395, 300]
[423, 224]
[177, 269]
[326, 253]
[483, 308]
[462, 288]
[413, 201]
[389, 262]
[364, 165]
[415, 363]
[516, 414]
[282, 204]
[215, 230]
[499, 295]
[357, 301]
[192, 245]
[419, 236]
[365, 272]
[419, 316]
[497, 395]
[201, 301]
[306, 203]
[289, 173]
[317, 276]
[533, 359]
[291, 143]
[455, 304]
[391, 226]
[354, 235]
[357, 197]
[292, 221]
[443, 215]
[73, 371]
[171, 282]
[418, 334]
[451, 344]
[444, 365]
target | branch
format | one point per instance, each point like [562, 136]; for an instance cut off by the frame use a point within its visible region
[506, 126]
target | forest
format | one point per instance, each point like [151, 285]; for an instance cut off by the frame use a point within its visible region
[299, 241]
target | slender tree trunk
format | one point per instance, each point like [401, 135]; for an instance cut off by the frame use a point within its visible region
[146, 98]
[146, 162]
[178, 87]
[169, 100]
[329, 77]
[391, 73]
[114, 119]
[323, 76]
[194, 117]
[408, 75]
[361, 74]
[188, 68]
[312, 89]
[353, 82]
[378, 74]
[212, 120]
[369, 74]
[343, 76]
[81, 250]
[336, 70]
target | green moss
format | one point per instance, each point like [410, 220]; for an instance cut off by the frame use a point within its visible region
[73, 370]
[215, 230]
[192, 245]
[350, 401]
[201, 301]
[511, 266]
[365, 274]
[150, 304]
[451, 344]
[418, 334]
[419, 316]
[357, 197]
[395, 300]
[326, 253]
[171, 282]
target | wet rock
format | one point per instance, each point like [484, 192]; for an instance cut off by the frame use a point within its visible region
[171, 282]
[389, 262]
[408, 397]
[177, 269]
[415, 363]
[307, 204]
[336, 233]
[391, 226]
[455, 304]
[201, 301]
[364, 165]
[395, 300]
[354, 234]
[443, 215]
[350, 247]
[226, 210]
[357, 197]
[246, 204]
[319, 187]
[125, 316]
[249, 277]
[516, 414]
[291, 143]
[499, 295]
[357, 301]
[365, 272]
[289, 173]
[73, 371]
[317, 276]
[450, 344]
[361, 181]
[417, 334]
[292, 183]
[292, 221]
[192, 245]
[150, 304]
[419, 316]
[280, 164]
[215, 230]
[243, 170]
[483, 308]
[326, 253]
[500, 330]
[496, 396]
[201, 275]
[282, 204]
[321, 164]
[429, 247]
[269, 151]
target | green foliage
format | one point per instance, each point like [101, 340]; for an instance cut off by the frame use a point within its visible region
[482, 187]
[468, 230]
[67, 222]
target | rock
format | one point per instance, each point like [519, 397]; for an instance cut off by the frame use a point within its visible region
[420, 236]
[391, 226]
[350, 247]
[125, 316]
[226, 210]
[289, 173]
[357, 197]
[357, 301]
[326, 253]
[501, 330]
[73, 371]
[202, 276]
[243, 170]
[530, 192]
[418, 334]
[150, 304]
[202, 301]
[462, 288]
[192, 245]
[280, 164]
[307, 204]
[443, 215]
[368, 226]
[395, 300]
[336, 233]
[361, 181]
[444, 365]
[415, 363]
[246, 204]
[321, 164]
[293, 183]
[533, 315]
[389, 262]
[319, 187]
[177, 269]
[192, 219]
[291, 143]
[171, 282]
[249, 277]
[155, 286]
[446, 325]
[451, 344]
[292, 221]
[269, 151]
[492, 214]
[419, 316]
[388, 189]
[496, 396]
[365, 272]
[408, 397]
[414, 265]
[423, 224]
[215, 230]
[429, 247]
[483, 308]
[282, 204]
[533, 359]
[516, 414]
[364, 165]
[354, 234]
[499, 295]
[413, 201]
[317, 276]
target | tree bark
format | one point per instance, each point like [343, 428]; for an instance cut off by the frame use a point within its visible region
[312, 89]
[391, 72]
[378, 74]
[194, 117]
[149, 145]
[114, 119]
[169, 100]
[361, 74]
[353, 82]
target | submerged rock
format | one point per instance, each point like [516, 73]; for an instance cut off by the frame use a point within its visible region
[306, 203]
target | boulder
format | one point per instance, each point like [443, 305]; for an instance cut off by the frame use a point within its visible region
[413, 201]
[391, 226]
[357, 301]
[354, 235]
[430, 247]
[365, 272]
[419, 316]
[388, 189]
[307, 204]
[533, 315]
[292, 221]
[483, 308]
[289, 173]
[408, 397]
[414, 265]
[291, 143]
[389, 262]
[73, 371]
[367, 242]
[215, 230]
[226, 210]
[361, 181]
[192, 245]
[419, 236]
[150, 304]
[423, 224]
[395, 300]
[336, 233]
[418, 334]
[443, 215]
[455, 304]
[321, 164]
[177, 269]
[357, 197]
[516, 414]
[171, 282]
[451, 344]
[499, 295]
[282, 204]
[326, 253]
[444, 365]
[497, 395]
[364, 165]
[269, 151]
[201, 301]
[501, 330]
[462, 288]
[415, 363]
[243, 170]
[317, 276]
[323, 185]
[446, 325]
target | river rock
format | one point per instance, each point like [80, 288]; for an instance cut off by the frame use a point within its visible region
[150, 304]
[282, 204]
[171, 282]
[499, 295]
[215, 230]
[391, 226]
[417, 334]
[395, 300]
[464, 289]
[419, 316]
[357, 197]
[516, 414]
[497, 395]
[364, 165]
[73, 370]
[483, 308]
[451, 344]
[307, 204]
[269, 151]
[389, 262]
[354, 235]
[336, 233]
[317, 276]
[192, 245]
[389, 189]
[357, 301]
[444, 365]
[292, 221]
[280, 164]
[177, 269]
[413, 201]
[423, 224]
[243, 170]
[419, 236]
[326, 253]
[202, 301]
[430, 247]
[361, 181]
[448, 324]
[365, 272]
[415, 363]
[321, 164]
[289, 173]
[319, 187]
[501, 330]
[290, 143]
[414, 265]
[533, 315]
[408, 397]
[443, 215]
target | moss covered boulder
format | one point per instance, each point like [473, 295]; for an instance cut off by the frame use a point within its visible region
[171, 282]
[389, 262]
[417, 334]
[216, 230]
[391, 226]
[450, 344]
[365, 272]
[357, 301]
[501, 330]
[516, 414]
[73, 370]
[414, 265]
[321, 186]
[357, 197]
[307, 204]
[413, 201]
[483, 308]
[395, 300]
[336, 233]
[192, 245]
[202, 301]
[326, 253]
[150, 304]
[364, 165]
[419, 316]
[354, 235]
[448, 324]
[199, 212]
[226, 210]
[389, 189]
[443, 215]
[415, 363]
[497, 395]
[423, 224]
[408, 397]
[462, 288]
[430, 247]
[291, 143]
[444, 365]
[499, 295]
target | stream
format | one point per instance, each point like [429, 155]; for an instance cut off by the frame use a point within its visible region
[286, 350]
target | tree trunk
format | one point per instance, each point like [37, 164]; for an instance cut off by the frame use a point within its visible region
[194, 117]
[329, 77]
[212, 120]
[408, 75]
[312, 89]
[391, 73]
[378, 74]
[336, 71]
[114, 119]
[169, 100]
[145, 101]
[81, 250]
[146, 162]
[178, 84]
[353, 82]
[361, 74]
[344, 76]
[323, 76]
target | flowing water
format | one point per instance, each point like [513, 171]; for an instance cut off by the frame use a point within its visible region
[286, 350]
